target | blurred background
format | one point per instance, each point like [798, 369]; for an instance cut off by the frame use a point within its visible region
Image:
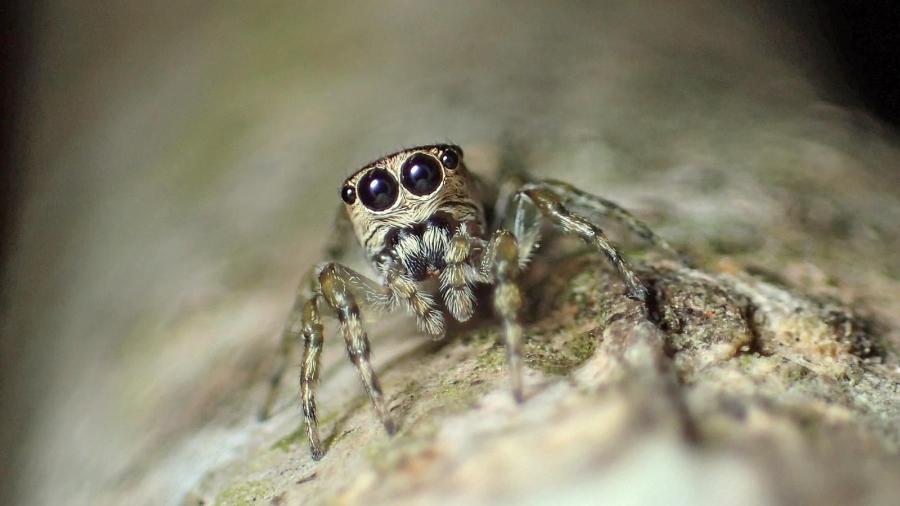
[170, 169]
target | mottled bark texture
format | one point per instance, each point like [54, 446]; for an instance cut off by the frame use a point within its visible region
[184, 176]
[736, 389]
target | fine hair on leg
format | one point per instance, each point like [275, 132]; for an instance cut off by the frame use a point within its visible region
[400, 288]
[459, 276]
[334, 290]
[336, 249]
[291, 331]
[579, 199]
[551, 208]
[344, 290]
[502, 262]
[309, 373]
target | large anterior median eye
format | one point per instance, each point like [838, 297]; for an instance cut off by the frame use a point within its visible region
[377, 190]
[421, 174]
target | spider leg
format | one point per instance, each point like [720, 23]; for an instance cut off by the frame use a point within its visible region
[401, 288]
[511, 213]
[459, 275]
[572, 196]
[290, 333]
[502, 262]
[552, 208]
[526, 226]
[335, 283]
[309, 373]
[343, 290]
[510, 179]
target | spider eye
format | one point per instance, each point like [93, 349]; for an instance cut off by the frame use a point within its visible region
[421, 174]
[450, 158]
[348, 195]
[377, 190]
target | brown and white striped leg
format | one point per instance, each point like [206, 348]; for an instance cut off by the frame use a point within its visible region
[309, 373]
[343, 289]
[289, 334]
[404, 290]
[572, 196]
[458, 277]
[336, 249]
[502, 261]
[552, 208]
[335, 291]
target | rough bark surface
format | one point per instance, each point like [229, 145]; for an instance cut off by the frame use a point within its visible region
[160, 247]
[735, 390]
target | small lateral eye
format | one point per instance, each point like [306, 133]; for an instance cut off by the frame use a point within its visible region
[450, 158]
[348, 195]
[421, 174]
[377, 190]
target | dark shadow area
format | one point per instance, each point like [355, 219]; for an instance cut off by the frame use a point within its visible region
[16, 41]
[860, 42]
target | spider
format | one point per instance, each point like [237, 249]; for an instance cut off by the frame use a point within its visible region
[421, 219]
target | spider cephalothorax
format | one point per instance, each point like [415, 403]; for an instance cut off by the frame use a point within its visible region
[408, 190]
[406, 208]
[420, 218]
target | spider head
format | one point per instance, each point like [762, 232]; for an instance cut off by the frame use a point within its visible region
[406, 189]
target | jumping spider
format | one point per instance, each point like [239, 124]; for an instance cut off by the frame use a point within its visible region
[420, 216]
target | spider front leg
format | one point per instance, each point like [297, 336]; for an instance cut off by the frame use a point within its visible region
[336, 249]
[309, 373]
[502, 262]
[303, 320]
[289, 333]
[335, 282]
[343, 289]
[401, 288]
[551, 207]
[338, 287]
[460, 275]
